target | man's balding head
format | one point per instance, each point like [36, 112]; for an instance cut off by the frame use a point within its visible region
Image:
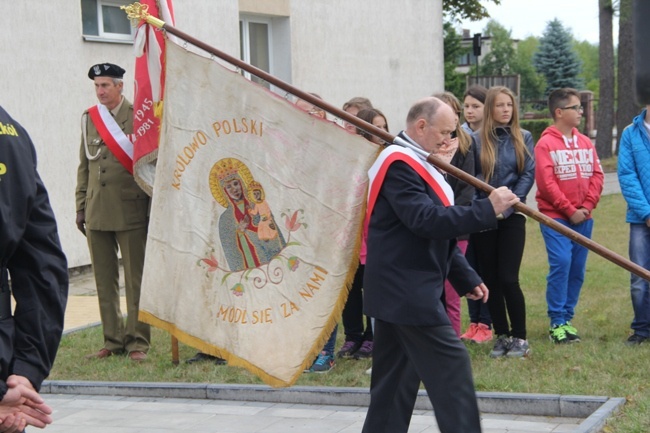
[430, 123]
[424, 108]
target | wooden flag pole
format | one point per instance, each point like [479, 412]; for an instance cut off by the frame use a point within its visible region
[613, 257]
[175, 356]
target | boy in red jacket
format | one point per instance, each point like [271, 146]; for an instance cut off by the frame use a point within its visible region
[569, 181]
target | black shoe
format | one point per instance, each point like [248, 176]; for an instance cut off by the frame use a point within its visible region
[636, 339]
[200, 357]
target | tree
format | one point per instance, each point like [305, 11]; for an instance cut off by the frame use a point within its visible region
[590, 75]
[605, 116]
[556, 60]
[627, 106]
[502, 51]
[532, 83]
[473, 10]
[454, 81]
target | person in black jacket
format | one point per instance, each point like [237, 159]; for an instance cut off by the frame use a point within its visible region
[32, 259]
[412, 231]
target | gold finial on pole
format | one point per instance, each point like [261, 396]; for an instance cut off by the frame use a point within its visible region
[138, 12]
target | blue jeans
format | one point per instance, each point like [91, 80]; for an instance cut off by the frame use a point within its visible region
[331, 342]
[479, 312]
[567, 260]
[639, 288]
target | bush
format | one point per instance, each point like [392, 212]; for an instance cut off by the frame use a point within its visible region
[535, 126]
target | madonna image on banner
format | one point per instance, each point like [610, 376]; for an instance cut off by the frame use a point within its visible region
[248, 233]
[255, 222]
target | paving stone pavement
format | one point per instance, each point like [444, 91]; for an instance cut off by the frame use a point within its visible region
[110, 414]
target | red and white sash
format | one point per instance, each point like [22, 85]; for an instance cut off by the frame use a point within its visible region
[426, 171]
[116, 140]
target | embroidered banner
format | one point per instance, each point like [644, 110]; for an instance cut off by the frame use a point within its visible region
[255, 224]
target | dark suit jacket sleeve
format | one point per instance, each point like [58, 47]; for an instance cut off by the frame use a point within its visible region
[462, 276]
[411, 200]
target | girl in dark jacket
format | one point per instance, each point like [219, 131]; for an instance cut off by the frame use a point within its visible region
[504, 157]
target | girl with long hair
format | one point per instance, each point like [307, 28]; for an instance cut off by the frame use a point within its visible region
[375, 118]
[480, 322]
[505, 157]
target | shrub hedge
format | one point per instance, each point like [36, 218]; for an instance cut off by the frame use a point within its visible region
[535, 126]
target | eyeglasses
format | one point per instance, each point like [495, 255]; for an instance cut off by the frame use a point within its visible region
[453, 134]
[577, 108]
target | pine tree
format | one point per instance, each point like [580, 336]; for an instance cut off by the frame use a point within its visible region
[556, 60]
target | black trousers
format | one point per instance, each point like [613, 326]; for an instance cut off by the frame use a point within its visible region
[353, 312]
[498, 254]
[478, 310]
[405, 355]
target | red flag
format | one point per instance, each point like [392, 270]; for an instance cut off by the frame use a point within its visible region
[149, 88]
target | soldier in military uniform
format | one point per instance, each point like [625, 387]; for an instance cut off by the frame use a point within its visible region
[112, 211]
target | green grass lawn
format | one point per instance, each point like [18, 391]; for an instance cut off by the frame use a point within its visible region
[600, 365]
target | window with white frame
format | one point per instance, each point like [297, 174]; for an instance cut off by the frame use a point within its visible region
[103, 20]
[255, 45]
[265, 42]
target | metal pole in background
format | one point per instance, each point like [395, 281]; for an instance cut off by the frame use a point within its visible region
[476, 47]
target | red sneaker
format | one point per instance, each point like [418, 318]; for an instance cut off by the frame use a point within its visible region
[483, 334]
[471, 332]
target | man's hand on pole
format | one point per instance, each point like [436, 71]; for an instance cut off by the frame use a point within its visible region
[502, 199]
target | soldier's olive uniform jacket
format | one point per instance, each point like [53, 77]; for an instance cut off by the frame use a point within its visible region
[30, 253]
[106, 191]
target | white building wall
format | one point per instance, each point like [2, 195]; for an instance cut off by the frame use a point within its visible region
[389, 51]
[44, 85]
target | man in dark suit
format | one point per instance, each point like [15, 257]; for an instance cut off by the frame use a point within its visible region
[112, 210]
[412, 227]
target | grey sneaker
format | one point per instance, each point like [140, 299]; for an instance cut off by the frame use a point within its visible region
[500, 346]
[518, 348]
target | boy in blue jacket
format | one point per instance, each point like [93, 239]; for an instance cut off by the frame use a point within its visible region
[634, 178]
